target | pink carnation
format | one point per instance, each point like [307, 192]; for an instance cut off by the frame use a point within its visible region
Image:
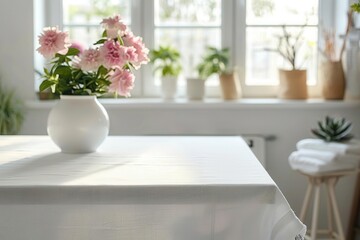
[141, 51]
[131, 55]
[90, 60]
[114, 26]
[113, 54]
[53, 41]
[122, 82]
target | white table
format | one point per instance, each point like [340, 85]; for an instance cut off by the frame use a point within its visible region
[137, 188]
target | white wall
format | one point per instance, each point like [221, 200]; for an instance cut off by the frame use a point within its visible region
[16, 46]
[289, 123]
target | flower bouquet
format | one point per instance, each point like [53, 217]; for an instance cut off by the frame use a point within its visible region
[78, 123]
[105, 67]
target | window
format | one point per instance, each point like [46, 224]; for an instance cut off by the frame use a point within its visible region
[246, 26]
[266, 20]
[81, 18]
[188, 26]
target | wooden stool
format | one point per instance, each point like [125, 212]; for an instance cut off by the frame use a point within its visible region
[329, 179]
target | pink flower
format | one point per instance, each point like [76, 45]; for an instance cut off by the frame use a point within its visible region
[122, 82]
[53, 41]
[90, 60]
[130, 54]
[113, 54]
[141, 51]
[114, 26]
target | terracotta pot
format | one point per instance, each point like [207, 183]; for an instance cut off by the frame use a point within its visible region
[292, 84]
[230, 86]
[332, 80]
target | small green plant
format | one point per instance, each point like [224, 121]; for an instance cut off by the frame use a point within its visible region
[215, 61]
[11, 112]
[333, 130]
[166, 60]
[356, 7]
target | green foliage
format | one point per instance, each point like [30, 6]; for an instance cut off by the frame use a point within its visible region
[214, 61]
[356, 7]
[63, 78]
[166, 60]
[11, 112]
[333, 130]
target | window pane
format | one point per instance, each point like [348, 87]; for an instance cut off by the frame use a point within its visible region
[84, 35]
[188, 12]
[93, 11]
[262, 65]
[191, 44]
[280, 12]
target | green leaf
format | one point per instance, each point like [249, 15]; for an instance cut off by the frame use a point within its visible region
[63, 72]
[45, 85]
[101, 41]
[104, 34]
[46, 71]
[318, 134]
[73, 52]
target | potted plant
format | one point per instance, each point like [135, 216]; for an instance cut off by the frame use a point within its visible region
[331, 73]
[78, 123]
[11, 112]
[215, 61]
[166, 60]
[292, 82]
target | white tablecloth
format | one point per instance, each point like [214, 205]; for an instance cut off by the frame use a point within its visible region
[137, 188]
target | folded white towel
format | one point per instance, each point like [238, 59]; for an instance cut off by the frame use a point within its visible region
[325, 156]
[351, 147]
[313, 165]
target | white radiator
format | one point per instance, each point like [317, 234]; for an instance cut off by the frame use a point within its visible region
[257, 145]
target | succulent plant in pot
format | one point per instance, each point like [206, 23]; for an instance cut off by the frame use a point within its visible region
[333, 130]
[166, 61]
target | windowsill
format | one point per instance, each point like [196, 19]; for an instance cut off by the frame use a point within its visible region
[212, 103]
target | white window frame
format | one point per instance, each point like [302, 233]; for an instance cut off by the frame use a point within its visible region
[233, 30]
[227, 40]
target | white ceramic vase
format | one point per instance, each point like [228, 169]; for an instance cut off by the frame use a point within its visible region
[78, 124]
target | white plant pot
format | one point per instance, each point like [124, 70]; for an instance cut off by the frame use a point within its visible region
[169, 87]
[195, 88]
[78, 124]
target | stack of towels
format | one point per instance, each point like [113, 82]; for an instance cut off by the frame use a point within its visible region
[317, 156]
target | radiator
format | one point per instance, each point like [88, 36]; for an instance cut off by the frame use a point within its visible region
[257, 145]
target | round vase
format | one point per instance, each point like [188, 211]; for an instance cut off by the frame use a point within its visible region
[78, 124]
[332, 80]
